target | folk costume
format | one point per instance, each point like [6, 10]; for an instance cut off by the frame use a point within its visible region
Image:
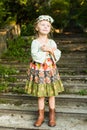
[43, 76]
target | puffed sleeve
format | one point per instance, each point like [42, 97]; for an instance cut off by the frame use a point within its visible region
[57, 52]
[37, 55]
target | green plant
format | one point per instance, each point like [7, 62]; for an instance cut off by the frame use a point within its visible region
[5, 77]
[27, 30]
[19, 49]
[83, 92]
[5, 71]
[4, 87]
[18, 89]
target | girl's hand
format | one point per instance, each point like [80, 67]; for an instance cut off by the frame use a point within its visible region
[45, 48]
[48, 49]
[51, 50]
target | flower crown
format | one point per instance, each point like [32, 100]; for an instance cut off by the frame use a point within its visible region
[45, 17]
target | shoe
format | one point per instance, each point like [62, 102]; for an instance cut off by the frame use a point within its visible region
[40, 119]
[52, 121]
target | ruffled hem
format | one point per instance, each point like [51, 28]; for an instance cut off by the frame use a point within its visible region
[46, 90]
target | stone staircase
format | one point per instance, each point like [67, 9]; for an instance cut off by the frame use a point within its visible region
[19, 111]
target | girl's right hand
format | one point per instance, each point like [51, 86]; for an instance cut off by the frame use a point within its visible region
[44, 48]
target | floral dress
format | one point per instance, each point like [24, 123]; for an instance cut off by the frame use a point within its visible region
[43, 77]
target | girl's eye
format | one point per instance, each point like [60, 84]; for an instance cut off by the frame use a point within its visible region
[45, 25]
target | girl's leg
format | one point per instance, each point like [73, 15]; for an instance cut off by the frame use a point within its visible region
[40, 119]
[52, 102]
[52, 121]
[41, 103]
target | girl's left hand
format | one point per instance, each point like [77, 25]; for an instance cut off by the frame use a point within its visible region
[48, 49]
[51, 50]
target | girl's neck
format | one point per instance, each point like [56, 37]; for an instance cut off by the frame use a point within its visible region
[43, 39]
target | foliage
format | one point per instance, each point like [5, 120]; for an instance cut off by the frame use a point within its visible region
[59, 10]
[6, 77]
[5, 73]
[83, 92]
[24, 12]
[82, 14]
[27, 30]
[2, 14]
[19, 49]
[18, 89]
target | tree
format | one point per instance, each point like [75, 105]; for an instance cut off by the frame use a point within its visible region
[24, 12]
[59, 10]
[82, 15]
[3, 14]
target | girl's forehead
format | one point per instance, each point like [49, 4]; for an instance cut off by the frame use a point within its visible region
[44, 22]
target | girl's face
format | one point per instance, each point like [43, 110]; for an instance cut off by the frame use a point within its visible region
[43, 27]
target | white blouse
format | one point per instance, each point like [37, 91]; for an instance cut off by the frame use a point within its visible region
[40, 56]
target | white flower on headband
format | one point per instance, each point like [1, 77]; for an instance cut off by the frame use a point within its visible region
[45, 17]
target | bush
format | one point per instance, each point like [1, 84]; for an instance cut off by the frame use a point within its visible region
[18, 49]
[27, 30]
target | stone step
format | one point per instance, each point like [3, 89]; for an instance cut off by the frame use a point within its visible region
[62, 61]
[72, 44]
[72, 64]
[73, 71]
[63, 66]
[73, 48]
[64, 104]
[63, 101]
[65, 60]
[20, 112]
[73, 55]
[70, 39]
[73, 61]
[27, 109]
[66, 79]
[11, 121]
[69, 87]
[74, 78]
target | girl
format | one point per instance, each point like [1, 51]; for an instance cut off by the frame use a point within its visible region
[43, 77]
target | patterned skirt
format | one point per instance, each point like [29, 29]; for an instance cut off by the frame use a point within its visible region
[43, 79]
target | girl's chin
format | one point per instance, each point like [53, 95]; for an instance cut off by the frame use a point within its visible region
[45, 33]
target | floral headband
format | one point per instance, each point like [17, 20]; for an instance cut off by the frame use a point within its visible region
[45, 17]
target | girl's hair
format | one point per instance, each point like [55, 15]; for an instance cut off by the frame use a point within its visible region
[41, 18]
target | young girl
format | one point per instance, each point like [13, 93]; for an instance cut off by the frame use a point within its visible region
[43, 77]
